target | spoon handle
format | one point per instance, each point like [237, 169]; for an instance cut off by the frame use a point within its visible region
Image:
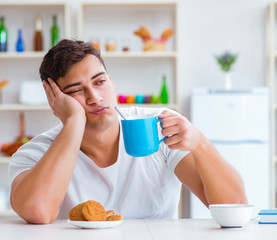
[119, 112]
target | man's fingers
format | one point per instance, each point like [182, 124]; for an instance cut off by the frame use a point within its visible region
[166, 113]
[170, 121]
[48, 91]
[55, 88]
[173, 140]
[170, 131]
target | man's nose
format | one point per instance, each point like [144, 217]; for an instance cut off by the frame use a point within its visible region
[93, 96]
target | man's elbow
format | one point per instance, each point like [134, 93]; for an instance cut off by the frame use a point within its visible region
[239, 199]
[236, 198]
[37, 214]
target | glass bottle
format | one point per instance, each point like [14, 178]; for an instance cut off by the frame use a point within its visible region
[38, 41]
[19, 43]
[110, 45]
[54, 32]
[3, 36]
[164, 91]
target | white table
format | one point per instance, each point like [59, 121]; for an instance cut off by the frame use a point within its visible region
[11, 229]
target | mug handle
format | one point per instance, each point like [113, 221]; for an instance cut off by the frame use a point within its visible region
[158, 120]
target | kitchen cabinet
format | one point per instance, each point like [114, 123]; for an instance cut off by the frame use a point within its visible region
[271, 52]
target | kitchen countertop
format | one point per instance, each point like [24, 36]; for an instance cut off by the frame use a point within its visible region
[15, 228]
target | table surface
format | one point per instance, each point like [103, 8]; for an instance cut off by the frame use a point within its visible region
[15, 228]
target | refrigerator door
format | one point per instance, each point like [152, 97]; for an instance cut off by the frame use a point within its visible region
[231, 115]
[237, 122]
[251, 161]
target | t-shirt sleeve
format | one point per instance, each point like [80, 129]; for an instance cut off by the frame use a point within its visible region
[172, 157]
[27, 156]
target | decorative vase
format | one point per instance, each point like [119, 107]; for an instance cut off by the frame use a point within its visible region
[228, 81]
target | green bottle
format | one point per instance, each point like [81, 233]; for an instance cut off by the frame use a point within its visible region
[164, 92]
[3, 36]
[54, 32]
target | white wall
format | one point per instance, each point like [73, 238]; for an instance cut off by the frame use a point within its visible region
[211, 27]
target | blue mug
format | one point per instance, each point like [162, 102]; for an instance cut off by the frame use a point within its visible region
[141, 136]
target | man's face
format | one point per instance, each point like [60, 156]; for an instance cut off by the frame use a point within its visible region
[88, 82]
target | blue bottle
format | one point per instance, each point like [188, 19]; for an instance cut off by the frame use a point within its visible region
[20, 43]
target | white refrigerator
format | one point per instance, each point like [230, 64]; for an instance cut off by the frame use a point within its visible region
[237, 123]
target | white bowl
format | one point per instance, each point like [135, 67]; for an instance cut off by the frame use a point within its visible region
[231, 215]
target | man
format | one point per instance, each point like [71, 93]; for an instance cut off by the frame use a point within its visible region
[84, 157]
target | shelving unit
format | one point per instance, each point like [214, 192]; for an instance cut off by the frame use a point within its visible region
[119, 20]
[21, 66]
[271, 24]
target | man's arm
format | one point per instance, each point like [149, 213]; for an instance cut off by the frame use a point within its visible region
[36, 194]
[204, 171]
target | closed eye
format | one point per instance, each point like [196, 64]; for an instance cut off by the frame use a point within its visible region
[74, 91]
[100, 82]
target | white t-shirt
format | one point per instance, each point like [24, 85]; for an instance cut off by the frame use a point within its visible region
[144, 187]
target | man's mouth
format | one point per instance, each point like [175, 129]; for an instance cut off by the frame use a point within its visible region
[99, 110]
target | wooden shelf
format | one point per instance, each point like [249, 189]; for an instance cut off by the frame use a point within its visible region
[134, 4]
[116, 54]
[32, 3]
[171, 106]
[46, 107]
[22, 55]
[139, 54]
[23, 107]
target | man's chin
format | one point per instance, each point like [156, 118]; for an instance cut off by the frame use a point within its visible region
[100, 122]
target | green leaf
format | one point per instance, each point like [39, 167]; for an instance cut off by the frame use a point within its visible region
[226, 60]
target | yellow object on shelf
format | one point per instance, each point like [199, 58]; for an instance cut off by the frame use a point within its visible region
[3, 83]
[153, 44]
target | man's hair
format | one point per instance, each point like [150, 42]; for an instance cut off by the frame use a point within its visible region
[60, 58]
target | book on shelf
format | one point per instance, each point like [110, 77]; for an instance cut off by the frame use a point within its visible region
[268, 216]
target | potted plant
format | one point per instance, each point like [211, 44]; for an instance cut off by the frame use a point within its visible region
[226, 61]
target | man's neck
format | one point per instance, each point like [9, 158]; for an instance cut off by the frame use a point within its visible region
[102, 146]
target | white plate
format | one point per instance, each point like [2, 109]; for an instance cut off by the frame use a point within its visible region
[94, 224]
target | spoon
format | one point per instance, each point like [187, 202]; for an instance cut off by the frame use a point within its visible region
[120, 113]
